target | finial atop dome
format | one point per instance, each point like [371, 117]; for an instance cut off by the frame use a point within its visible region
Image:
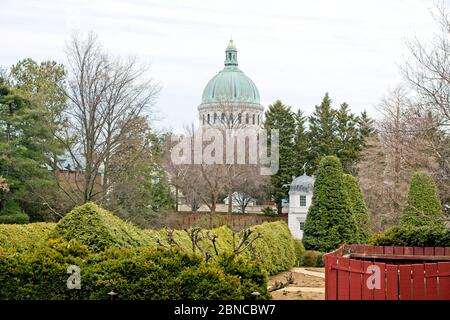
[231, 54]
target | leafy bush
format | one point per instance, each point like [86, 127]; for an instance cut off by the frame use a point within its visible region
[312, 258]
[299, 251]
[423, 204]
[275, 249]
[24, 236]
[99, 229]
[137, 273]
[329, 222]
[268, 211]
[407, 235]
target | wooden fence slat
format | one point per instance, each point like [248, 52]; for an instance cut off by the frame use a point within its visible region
[439, 251]
[409, 251]
[330, 277]
[356, 280]
[391, 282]
[366, 293]
[398, 250]
[429, 251]
[447, 251]
[343, 279]
[418, 251]
[431, 288]
[389, 250]
[444, 280]
[379, 294]
[405, 282]
[378, 250]
[418, 281]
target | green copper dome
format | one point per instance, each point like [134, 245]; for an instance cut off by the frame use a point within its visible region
[230, 84]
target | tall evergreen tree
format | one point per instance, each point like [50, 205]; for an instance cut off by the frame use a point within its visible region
[358, 206]
[322, 133]
[423, 204]
[329, 222]
[349, 144]
[279, 116]
[366, 125]
[25, 140]
[300, 143]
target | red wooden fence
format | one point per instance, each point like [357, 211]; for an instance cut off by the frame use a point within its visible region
[356, 272]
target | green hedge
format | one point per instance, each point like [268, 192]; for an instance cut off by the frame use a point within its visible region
[24, 236]
[99, 229]
[136, 273]
[408, 235]
[312, 258]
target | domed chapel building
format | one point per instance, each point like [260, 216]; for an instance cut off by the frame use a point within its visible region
[231, 98]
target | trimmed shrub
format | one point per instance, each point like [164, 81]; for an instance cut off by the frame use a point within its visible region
[24, 236]
[268, 211]
[275, 249]
[299, 251]
[138, 273]
[99, 229]
[423, 204]
[312, 258]
[329, 222]
[411, 236]
[358, 207]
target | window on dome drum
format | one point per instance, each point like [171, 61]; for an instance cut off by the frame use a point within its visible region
[253, 119]
[208, 118]
[203, 119]
[239, 118]
[302, 201]
[247, 118]
[223, 117]
[302, 226]
[231, 118]
[258, 119]
[215, 118]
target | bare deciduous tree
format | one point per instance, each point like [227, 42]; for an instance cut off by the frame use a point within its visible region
[105, 97]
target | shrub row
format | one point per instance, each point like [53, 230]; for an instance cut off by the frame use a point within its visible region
[99, 230]
[133, 273]
[409, 235]
[24, 236]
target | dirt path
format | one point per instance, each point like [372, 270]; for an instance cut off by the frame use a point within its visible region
[308, 283]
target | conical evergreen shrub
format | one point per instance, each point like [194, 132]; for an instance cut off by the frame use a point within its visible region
[423, 204]
[329, 222]
[358, 207]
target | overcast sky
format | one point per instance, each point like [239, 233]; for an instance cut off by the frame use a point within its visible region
[293, 50]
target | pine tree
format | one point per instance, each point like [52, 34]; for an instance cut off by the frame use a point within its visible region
[25, 139]
[365, 125]
[349, 143]
[322, 133]
[358, 206]
[300, 143]
[423, 204]
[279, 116]
[329, 222]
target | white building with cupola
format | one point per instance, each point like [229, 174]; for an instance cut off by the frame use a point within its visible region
[300, 198]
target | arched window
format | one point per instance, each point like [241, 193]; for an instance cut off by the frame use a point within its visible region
[253, 119]
[215, 118]
[203, 119]
[246, 118]
[258, 119]
[223, 117]
[231, 118]
[209, 120]
[239, 118]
